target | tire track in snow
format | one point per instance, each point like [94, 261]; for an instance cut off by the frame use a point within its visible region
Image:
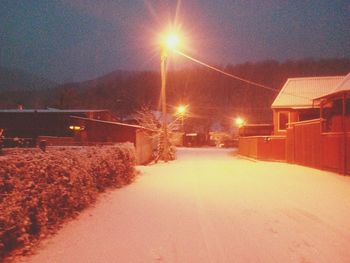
[213, 245]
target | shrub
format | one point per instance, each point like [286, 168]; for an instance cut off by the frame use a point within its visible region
[38, 190]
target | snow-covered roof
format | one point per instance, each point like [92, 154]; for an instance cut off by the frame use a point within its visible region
[300, 92]
[344, 85]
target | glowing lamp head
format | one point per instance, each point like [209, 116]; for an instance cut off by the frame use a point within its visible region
[239, 121]
[181, 110]
[172, 41]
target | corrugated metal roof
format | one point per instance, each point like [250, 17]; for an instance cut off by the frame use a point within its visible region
[344, 85]
[300, 92]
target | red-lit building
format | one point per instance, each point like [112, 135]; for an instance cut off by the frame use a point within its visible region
[311, 125]
[72, 127]
[100, 131]
[31, 123]
[295, 100]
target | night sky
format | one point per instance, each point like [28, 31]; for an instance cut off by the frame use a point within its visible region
[73, 40]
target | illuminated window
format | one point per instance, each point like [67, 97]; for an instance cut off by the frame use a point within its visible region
[76, 128]
[283, 119]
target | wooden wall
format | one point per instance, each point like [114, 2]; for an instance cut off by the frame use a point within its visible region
[263, 147]
[304, 144]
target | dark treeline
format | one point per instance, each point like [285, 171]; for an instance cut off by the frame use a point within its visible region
[209, 94]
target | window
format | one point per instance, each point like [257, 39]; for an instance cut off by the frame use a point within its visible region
[283, 119]
[337, 108]
[309, 114]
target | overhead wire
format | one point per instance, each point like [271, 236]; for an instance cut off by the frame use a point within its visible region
[234, 76]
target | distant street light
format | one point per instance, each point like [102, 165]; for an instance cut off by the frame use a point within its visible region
[239, 122]
[181, 112]
[170, 42]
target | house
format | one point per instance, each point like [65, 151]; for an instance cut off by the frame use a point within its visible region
[311, 125]
[72, 127]
[94, 131]
[295, 100]
[335, 127]
[335, 107]
[31, 123]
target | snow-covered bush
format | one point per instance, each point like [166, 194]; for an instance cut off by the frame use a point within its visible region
[39, 190]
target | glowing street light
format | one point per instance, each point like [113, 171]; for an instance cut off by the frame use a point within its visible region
[181, 112]
[170, 42]
[239, 121]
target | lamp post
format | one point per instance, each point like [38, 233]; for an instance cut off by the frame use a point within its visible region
[170, 42]
[163, 58]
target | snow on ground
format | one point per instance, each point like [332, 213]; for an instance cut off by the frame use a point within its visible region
[212, 206]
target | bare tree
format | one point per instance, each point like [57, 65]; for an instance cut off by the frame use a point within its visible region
[147, 119]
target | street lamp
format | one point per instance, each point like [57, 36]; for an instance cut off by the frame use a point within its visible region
[239, 122]
[170, 42]
[181, 112]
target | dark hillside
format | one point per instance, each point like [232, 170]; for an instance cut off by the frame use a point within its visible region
[210, 95]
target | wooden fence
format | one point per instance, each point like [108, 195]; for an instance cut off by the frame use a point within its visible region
[307, 145]
[304, 144]
[263, 147]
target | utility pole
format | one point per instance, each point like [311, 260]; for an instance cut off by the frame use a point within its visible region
[163, 59]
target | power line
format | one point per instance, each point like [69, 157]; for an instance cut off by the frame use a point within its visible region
[236, 77]
[225, 73]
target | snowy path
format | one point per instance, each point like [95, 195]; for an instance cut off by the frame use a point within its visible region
[210, 206]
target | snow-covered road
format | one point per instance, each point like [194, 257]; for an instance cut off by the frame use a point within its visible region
[212, 206]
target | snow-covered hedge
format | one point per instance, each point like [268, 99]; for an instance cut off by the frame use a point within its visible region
[39, 190]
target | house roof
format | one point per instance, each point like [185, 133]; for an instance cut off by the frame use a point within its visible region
[113, 123]
[344, 85]
[300, 92]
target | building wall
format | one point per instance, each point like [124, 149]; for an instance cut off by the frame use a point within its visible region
[95, 131]
[34, 124]
[48, 123]
[100, 115]
[145, 145]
